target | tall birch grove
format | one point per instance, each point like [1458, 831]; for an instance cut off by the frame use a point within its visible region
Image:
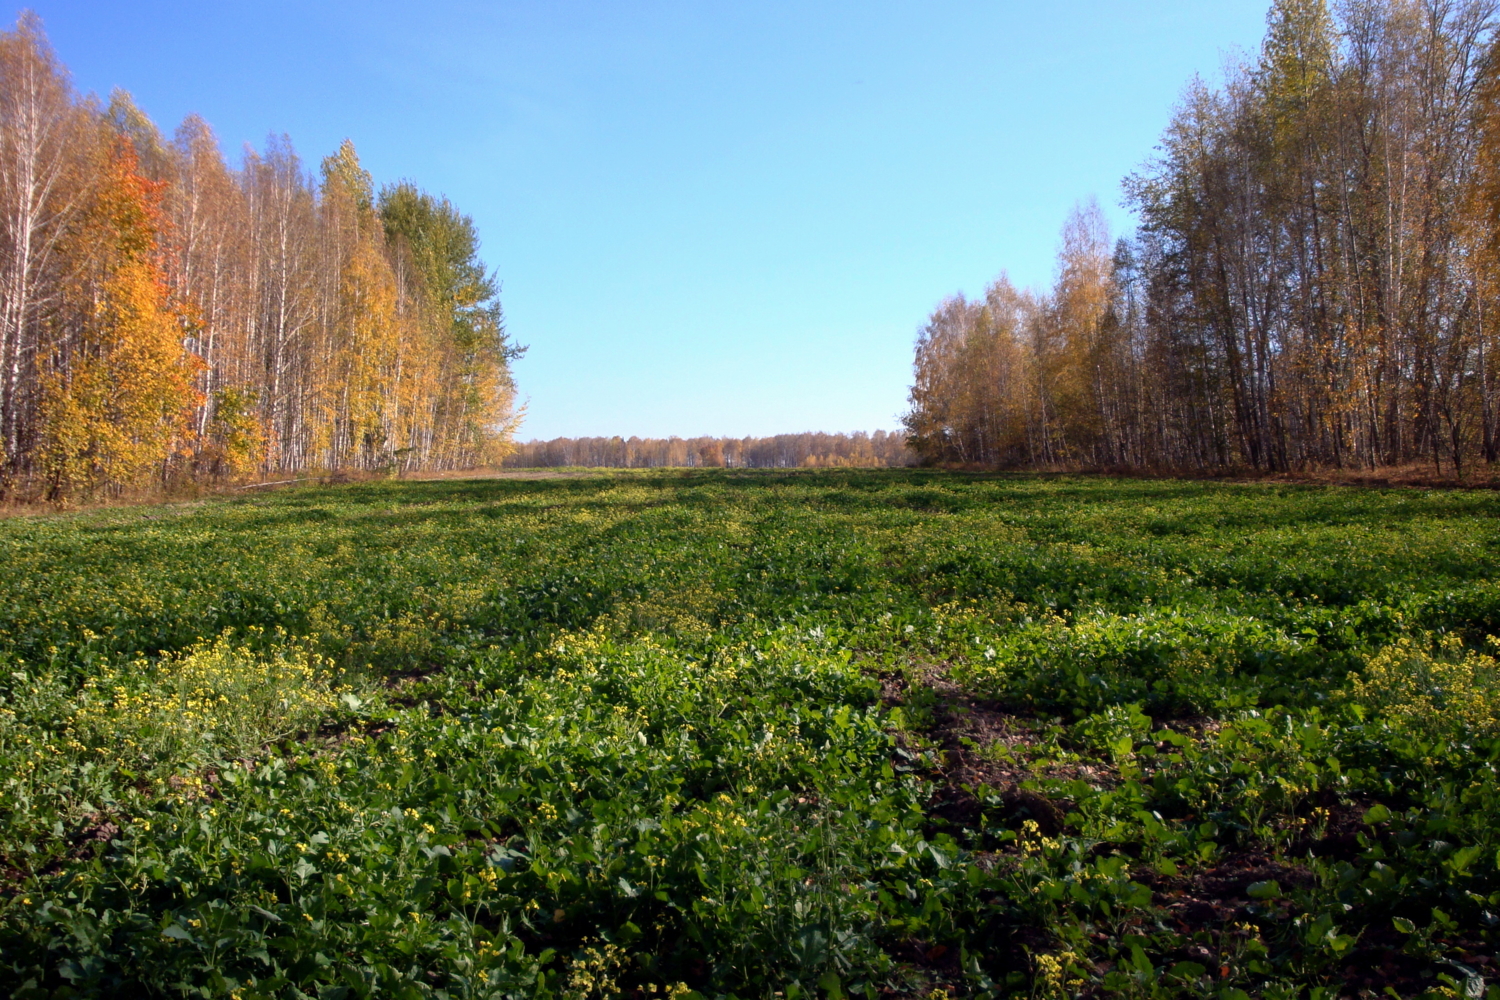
[1315, 281]
[167, 316]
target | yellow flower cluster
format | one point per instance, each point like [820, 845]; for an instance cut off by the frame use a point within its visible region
[216, 698]
[1052, 972]
[1031, 841]
[592, 973]
[1436, 688]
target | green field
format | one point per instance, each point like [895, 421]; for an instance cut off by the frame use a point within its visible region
[754, 734]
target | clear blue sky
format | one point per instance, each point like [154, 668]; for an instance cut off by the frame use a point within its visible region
[709, 217]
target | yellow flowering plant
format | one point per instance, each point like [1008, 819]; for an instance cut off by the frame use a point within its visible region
[216, 699]
[1434, 686]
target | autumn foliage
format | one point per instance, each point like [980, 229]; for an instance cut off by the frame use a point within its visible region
[117, 386]
[1314, 283]
[165, 318]
[780, 451]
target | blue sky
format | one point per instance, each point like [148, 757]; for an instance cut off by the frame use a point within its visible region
[709, 217]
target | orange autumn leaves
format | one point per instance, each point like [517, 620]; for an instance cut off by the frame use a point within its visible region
[118, 388]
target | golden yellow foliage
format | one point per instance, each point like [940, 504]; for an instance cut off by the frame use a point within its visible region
[235, 443]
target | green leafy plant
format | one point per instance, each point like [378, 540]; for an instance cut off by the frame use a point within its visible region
[823, 733]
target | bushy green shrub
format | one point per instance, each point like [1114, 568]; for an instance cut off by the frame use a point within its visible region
[1172, 662]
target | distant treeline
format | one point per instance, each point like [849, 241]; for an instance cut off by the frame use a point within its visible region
[164, 315]
[783, 451]
[1315, 281]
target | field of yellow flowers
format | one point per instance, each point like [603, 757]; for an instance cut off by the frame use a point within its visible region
[893, 733]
